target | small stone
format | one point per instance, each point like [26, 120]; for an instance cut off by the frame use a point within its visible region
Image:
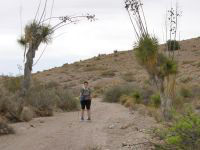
[41, 121]
[124, 144]
[111, 126]
[31, 125]
[136, 128]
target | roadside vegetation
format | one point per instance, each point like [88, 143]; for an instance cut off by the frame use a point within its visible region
[41, 100]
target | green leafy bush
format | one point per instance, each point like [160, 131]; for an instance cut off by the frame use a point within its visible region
[184, 134]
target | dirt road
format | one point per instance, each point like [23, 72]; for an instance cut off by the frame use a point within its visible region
[112, 128]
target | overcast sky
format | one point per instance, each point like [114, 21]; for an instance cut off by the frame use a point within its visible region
[112, 31]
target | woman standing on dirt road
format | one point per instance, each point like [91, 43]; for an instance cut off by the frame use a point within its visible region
[85, 100]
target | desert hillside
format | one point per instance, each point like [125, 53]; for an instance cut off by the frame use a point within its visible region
[120, 67]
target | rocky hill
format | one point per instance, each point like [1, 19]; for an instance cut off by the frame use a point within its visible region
[120, 67]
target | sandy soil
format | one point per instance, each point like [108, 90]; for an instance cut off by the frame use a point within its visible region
[112, 128]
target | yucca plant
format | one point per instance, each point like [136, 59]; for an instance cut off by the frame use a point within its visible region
[146, 52]
[159, 66]
[34, 34]
[40, 31]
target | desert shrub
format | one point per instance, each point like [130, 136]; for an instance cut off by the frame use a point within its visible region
[185, 92]
[178, 102]
[185, 79]
[123, 99]
[155, 113]
[156, 100]
[52, 84]
[5, 129]
[129, 102]
[173, 45]
[195, 90]
[108, 73]
[198, 64]
[66, 101]
[42, 101]
[113, 94]
[128, 77]
[137, 97]
[10, 106]
[184, 134]
[12, 84]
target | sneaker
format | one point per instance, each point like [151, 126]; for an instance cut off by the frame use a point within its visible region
[82, 119]
[88, 119]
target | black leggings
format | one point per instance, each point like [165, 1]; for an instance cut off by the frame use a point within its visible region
[85, 103]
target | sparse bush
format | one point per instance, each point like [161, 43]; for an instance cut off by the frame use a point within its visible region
[129, 77]
[173, 45]
[10, 106]
[129, 102]
[66, 101]
[42, 101]
[52, 84]
[113, 94]
[108, 73]
[123, 99]
[184, 134]
[185, 92]
[12, 84]
[156, 100]
[178, 102]
[137, 97]
[155, 113]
